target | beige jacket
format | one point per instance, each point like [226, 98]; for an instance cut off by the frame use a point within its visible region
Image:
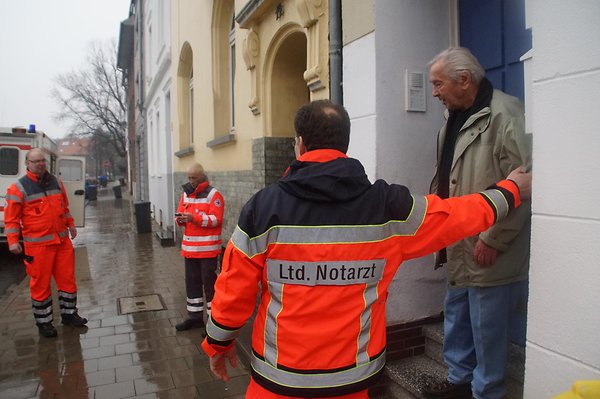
[490, 144]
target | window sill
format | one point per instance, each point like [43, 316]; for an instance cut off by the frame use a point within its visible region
[184, 152]
[229, 138]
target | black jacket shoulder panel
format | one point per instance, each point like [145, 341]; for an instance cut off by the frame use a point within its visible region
[291, 202]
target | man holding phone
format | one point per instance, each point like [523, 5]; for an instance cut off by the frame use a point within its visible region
[200, 212]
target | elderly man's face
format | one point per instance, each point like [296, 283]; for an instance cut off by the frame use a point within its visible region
[450, 92]
[36, 163]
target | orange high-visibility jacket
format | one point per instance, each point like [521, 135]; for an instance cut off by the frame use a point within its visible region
[324, 244]
[37, 209]
[202, 236]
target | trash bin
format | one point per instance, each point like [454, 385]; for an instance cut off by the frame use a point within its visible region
[91, 192]
[117, 191]
[142, 217]
[103, 180]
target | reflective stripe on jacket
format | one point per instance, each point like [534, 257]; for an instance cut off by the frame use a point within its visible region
[202, 236]
[39, 211]
[325, 265]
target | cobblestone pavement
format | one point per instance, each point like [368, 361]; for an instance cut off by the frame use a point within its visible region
[134, 355]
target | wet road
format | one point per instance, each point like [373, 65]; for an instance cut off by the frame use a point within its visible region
[119, 355]
[12, 271]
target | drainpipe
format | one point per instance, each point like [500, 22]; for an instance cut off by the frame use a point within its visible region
[335, 52]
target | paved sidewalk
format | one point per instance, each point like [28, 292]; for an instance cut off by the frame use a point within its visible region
[135, 355]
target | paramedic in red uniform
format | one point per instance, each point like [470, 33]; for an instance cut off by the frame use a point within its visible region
[324, 244]
[38, 210]
[200, 211]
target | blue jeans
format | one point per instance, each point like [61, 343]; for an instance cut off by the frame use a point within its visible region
[479, 322]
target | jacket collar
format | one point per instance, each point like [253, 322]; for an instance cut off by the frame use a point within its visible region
[32, 176]
[189, 190]
[325, 176]
[321, 155]
[39, 179]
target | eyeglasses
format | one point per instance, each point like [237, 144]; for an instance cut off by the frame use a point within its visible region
[36, 161]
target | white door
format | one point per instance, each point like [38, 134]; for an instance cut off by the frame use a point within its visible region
[71, 170]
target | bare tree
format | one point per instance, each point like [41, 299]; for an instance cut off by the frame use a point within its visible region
[94, 100]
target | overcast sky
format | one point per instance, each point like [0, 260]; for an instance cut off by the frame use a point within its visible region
[41, 39]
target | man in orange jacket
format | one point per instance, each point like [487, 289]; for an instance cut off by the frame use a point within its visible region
[200, 211]
[38, 210]
[323, 244]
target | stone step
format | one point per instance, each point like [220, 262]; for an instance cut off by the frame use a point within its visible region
[434, 338]
[165, 238]
[410, 375]
[390, 390]
[407, 377]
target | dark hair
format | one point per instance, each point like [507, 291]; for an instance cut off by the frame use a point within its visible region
[323, 125]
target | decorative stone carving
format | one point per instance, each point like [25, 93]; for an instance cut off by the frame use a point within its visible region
[251, 49]
[310, 11]
[251, 52]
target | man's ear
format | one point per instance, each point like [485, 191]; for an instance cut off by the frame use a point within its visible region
[465, 79]
[300, 148]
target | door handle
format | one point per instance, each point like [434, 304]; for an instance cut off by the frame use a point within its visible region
[79, 192]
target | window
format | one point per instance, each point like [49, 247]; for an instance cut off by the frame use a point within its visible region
[223, 68]
[231, 72]
[185, 101]
[152, 147]
[9, 161]
[157, 145]
[70, 169]
[191, 105]
[149, 48]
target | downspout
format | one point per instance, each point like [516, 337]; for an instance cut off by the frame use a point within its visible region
[335, 52]
[142, 141]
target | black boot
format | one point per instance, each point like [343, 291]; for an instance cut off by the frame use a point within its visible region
[188, 324]
[447, 390]
[47, 330]
[73, 320]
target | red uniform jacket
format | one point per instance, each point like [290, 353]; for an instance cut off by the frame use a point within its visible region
[324, 244]
[202, 236]
[37, 209]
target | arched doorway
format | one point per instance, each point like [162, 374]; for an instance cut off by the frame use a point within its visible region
[288, 90]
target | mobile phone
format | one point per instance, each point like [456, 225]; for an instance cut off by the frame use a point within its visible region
[178, 214]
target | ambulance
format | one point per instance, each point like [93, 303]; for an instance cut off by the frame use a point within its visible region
[14, 144]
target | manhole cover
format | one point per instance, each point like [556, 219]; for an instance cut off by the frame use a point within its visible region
[143, 303]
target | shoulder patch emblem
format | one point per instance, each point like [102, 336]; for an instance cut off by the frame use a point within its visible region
[218, 203]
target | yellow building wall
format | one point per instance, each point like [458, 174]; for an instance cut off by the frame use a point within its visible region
[261, 97]
[359, 19]
[192, 24]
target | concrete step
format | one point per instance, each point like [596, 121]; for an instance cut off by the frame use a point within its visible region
[165, 238]
[410, 375]
[390, 390]
[434, 338]
[407, 377]
[434, 341]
